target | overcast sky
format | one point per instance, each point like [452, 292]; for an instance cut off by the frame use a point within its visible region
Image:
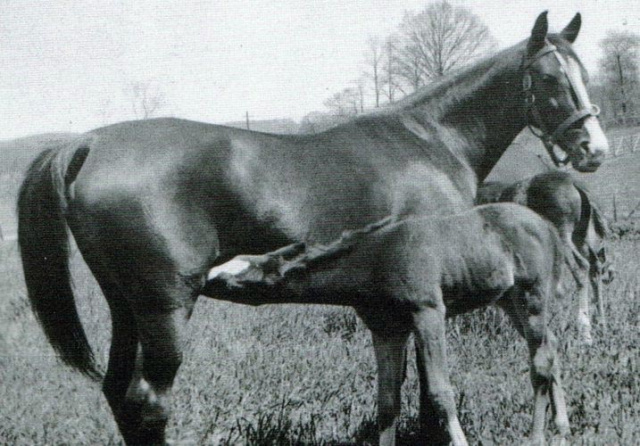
[65, 64]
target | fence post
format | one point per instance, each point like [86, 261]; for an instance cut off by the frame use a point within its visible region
[615, 208]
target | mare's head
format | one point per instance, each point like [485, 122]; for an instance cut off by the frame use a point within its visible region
[558, 106]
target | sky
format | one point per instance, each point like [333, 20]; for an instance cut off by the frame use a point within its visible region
[67, 65]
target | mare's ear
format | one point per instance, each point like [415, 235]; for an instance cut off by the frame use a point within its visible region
[538, 35]
[572, 29]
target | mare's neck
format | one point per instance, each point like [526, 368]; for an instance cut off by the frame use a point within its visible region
[478, 112]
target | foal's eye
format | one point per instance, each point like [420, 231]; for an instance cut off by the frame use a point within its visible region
[549, 79]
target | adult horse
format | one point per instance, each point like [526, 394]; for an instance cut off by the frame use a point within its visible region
[153, 205]
[567, 203]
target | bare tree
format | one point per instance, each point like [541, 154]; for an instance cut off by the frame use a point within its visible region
[391, 81]
[359, 87]
[374, 59]
[147, 99]
[344, 103]
[619, 70]
[438, 40]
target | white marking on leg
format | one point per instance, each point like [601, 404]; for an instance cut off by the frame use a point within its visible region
[233, 267]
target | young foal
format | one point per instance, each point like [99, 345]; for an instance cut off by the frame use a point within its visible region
[405, 277]
[566, 203]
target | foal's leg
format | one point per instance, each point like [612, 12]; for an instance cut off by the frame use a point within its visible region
[596, 285]
[429, 323]
[390, 329]
[432, 429]
[391, 356]
[579, 267]
[526, 309]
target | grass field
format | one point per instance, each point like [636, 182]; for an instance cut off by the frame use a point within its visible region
[305, 375]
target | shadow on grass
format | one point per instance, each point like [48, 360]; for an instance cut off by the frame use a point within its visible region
[275, 429]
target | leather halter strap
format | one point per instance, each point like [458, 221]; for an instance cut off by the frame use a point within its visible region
[548, 137]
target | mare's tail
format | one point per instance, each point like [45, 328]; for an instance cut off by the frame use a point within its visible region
[44, 247]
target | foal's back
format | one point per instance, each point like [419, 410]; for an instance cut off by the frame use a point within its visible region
[554, 195]
[473, 257]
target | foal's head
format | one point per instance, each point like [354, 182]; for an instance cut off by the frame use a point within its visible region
[558, 106]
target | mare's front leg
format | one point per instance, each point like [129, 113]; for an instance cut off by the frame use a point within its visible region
[438, 394]
[390, 331]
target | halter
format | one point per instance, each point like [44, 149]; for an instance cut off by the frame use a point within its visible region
[550, 138]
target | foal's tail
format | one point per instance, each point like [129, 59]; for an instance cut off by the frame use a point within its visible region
[591, 210]
[44, 247]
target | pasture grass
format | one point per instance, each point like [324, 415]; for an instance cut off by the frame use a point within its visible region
[305, 375]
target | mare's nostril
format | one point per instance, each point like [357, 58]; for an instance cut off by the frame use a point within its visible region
[584, 145]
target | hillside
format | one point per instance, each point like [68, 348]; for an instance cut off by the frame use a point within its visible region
[525, 157]
[618, 176]
[16, 154]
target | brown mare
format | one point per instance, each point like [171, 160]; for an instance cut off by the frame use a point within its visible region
[406, 277]
[568, 204]
[154, 204]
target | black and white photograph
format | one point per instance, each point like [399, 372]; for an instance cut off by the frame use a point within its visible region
[319, 222]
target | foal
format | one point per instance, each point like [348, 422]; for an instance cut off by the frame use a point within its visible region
[407, 276]
[566, 203]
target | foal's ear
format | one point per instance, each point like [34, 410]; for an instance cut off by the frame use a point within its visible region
[538, 34]
[602, 254]
[572, 29]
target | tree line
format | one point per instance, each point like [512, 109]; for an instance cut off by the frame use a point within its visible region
[443, 38]
[427, 45]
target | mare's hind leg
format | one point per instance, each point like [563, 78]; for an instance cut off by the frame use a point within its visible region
[145, 354]
[124, 345]
[526, 308]
[162, 336]
[122, 362]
